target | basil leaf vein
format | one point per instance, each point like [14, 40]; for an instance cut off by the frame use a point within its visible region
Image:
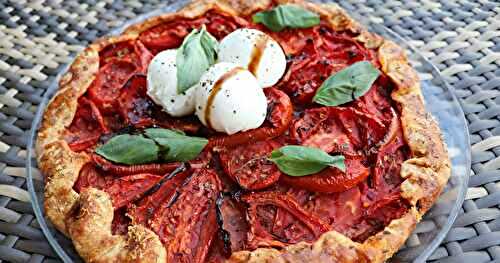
[178, 146]
[129, 149]
[196, 54]
[288, 15]
[347, 85]
[298, 160]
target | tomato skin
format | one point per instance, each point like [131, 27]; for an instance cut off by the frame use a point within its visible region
[86, 127]
[145, 208]
[260, 236]
[331, 179]
[133, 103]
[279, 117]
[110, 79]
[187, 224]
[122, 170]
[129, 188]
[248, 165]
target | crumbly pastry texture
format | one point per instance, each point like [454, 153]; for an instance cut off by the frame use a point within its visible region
[86, 217]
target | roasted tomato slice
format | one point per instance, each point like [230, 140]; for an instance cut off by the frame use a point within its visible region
[90, 177]
[248, 164]
[320, 56]
[231, 215]
[331, 179]
[220, 25]
[164, 192]
[338, 129]
[319, 128]
[166, 36]
[86, 127]
[261, 215]
[129, 188]
[121, 170]
[110, 79]
[279, 117]
[134, 104]
[187, 224]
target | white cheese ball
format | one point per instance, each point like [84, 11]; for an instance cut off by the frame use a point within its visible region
[162, 85]
[255, 51]
[229, 99]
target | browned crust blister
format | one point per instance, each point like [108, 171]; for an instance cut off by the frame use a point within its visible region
[86, 218]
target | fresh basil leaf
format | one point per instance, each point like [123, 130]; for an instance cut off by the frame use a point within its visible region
[283, 16]
[196, 54]
[162, 133]
[347, 84]
[129, 149]
[178, 146]
[298, 160]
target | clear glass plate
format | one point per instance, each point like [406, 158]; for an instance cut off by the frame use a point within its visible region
[440, 100]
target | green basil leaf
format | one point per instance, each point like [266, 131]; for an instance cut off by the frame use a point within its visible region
[297, 160]
[283, 16]
[178, 146]
[196, 54]
[162, 133]
[347, 84]
[129, 149]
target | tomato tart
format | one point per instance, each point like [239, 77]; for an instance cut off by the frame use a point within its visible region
[240, 131]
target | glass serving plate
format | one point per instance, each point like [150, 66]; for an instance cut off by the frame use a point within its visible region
[440, 101]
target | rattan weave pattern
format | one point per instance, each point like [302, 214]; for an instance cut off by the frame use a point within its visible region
[37, 37]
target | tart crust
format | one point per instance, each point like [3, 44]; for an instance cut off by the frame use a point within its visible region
[86, 217]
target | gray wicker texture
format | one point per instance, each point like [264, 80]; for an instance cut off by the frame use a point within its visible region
[37, 38]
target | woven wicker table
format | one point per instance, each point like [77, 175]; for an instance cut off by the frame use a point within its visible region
[38, 37]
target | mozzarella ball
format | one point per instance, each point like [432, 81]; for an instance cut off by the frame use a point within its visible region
[162, 85]
[255, 51]
[229, 99]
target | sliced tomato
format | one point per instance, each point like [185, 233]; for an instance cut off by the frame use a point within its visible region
[110, 79]
[232, 222]
[86, 127]
[146, 207]
[363, 129]
[129, 188]
[167, 36]
[319, 128]
[278, 119]
[122, 170]
[321, 55]
[89, 177]
[332, 179]
[220, 25]
[145, 56]
[261, 216]
[249, 166]
[134, 104]
[187, 224]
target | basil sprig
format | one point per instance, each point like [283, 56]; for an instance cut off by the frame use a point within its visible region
[196, 54]
[129, 149]
[289, 15]
[347, 84]
[156, 144]
[298, 160]
[179, 146]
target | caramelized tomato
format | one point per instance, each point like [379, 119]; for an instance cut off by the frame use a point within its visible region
[249, 166]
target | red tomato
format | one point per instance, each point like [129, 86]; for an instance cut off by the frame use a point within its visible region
[261, 217]
[187, 223]
[248, 164]
[86, 127]
[106, 87]
[331, 179]
[134, 105]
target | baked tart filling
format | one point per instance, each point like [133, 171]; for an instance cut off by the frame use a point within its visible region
[219, 133]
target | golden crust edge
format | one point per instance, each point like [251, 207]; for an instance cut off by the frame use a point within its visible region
[431, 166]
